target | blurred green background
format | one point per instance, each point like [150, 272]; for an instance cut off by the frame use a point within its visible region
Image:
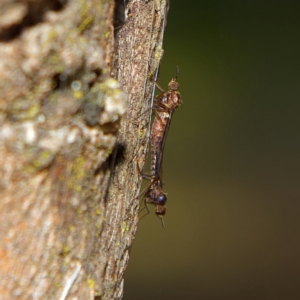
[232, 160]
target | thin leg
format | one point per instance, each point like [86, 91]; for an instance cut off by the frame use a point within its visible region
[142, 114]
[145, 175]
[157, 115]
[144, 191]
[159, 87]
[147, 208]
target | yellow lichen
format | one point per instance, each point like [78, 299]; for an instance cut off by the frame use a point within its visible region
[77, 188]
[91, 283]
[75, 180]
[86, 17]
[51, 35]
[65, 250]
[42, 159]
[78, 94]
[72, 228]
[124, 227]
[85, 23]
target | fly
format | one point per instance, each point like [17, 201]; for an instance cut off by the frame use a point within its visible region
[164, 106]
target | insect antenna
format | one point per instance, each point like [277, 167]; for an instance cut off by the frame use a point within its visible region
[177, 71]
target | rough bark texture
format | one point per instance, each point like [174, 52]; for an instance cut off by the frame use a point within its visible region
[63, 233]
[138, 54]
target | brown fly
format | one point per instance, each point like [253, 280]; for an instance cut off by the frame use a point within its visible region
[164, 106]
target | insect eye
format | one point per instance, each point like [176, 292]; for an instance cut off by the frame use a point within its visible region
[162, 199]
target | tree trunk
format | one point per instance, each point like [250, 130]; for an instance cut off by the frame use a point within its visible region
[70, 154]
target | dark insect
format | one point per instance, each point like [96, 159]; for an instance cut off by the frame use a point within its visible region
[164, 106]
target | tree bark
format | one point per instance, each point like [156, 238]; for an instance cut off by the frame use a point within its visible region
[70, 154]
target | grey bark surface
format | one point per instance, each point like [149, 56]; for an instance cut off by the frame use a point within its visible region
[72, 132]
